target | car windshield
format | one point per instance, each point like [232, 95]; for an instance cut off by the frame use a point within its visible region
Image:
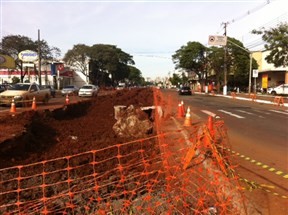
[19, 87]
[69, 87]
[87, 87]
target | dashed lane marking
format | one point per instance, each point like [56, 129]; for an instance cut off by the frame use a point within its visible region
[232, 114]
[260, 164]
[253, 185]
[249, 113]
[209, 113]
[278, 111]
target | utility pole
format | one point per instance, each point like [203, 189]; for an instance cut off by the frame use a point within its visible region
[39, 59]
[225, 60]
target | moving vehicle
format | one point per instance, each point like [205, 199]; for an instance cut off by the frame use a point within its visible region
[279, 90]
[184, 91]
[69, 90]
[88, 90]
[23, 94]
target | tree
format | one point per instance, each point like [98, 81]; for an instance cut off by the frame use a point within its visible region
[277, 43]
[237, 61]
[12, 45]
[77, 57]
[191, 58]
[216, 61]
[135, 76]
[108, 60]
[175, 80]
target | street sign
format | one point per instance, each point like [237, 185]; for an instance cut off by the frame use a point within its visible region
[215, 40]
[255, 73]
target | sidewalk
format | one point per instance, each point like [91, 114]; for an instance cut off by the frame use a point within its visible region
[260, 98]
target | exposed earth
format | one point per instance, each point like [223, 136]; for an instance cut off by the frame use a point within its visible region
[35, 136]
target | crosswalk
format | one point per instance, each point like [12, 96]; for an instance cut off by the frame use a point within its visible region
[242, 114]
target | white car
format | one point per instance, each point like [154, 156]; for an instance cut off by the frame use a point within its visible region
[279, 90]
[88, 90]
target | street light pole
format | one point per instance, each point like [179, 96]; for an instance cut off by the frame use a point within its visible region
[250, 71]
[39, 59]
[225, 61]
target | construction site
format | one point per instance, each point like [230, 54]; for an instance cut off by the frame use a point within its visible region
[132, 151]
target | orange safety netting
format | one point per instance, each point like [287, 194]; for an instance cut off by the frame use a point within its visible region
[175, 172]
[144, 177]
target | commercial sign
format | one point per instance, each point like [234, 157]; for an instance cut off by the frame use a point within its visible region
[28, 56]
[215, 40]
[7, 62]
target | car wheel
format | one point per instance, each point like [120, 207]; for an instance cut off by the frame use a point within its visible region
[273, 93]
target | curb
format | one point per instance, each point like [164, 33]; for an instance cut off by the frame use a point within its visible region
[243, 98]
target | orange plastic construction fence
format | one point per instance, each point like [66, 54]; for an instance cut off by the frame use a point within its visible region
[140, 177]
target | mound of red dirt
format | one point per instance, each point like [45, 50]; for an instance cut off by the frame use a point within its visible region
[35, 136]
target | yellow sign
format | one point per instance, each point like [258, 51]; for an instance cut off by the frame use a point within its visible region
[7, 62]
[265, 81]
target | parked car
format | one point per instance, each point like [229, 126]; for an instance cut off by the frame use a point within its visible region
[51, 88]
[23, 94]
[185, 91]
[279, 90]
[88, 90]
[3, 87]
[69, 90]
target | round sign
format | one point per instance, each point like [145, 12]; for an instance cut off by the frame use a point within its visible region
[28, 56]
[2, 59]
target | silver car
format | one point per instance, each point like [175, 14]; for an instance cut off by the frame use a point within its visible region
[69, 90]
[88, 90]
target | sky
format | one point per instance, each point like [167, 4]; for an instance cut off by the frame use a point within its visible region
[151, 31]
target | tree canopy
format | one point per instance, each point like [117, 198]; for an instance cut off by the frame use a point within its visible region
[108, 64]
[191, 58]
[195, 57]
[276, 39]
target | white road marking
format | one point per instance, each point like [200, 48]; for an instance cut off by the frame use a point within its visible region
[263, 112]
[209, 113]
[277, 111]
[232, 114]
[249, 113]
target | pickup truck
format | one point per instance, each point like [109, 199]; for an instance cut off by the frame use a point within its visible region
[279, 90]
[23, 94]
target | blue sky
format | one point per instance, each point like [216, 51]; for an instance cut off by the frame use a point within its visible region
[150, 31]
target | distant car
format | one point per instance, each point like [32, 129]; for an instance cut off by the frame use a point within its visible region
[120, 86]
[52, 90]
[279, 90]
[185, 91]
[69, 90]
[88, 90]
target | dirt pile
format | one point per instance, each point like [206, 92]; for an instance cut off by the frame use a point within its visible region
[34, 136]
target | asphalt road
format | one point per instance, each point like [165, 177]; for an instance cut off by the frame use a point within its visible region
[257, 131]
